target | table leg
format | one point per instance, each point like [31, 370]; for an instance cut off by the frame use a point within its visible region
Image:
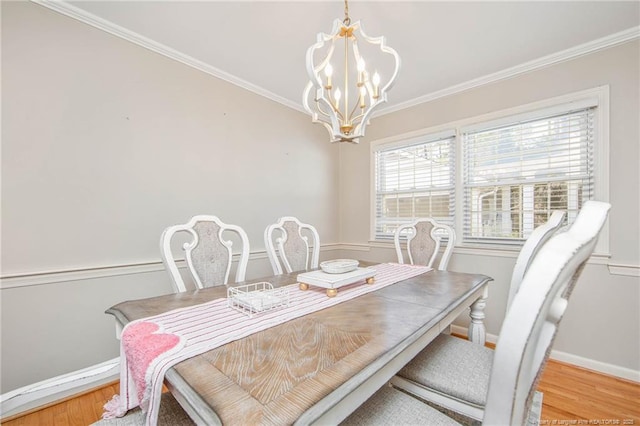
[476, 327]
[303, 286]
[332, 292]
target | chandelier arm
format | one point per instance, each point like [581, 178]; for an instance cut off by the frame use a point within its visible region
[320, 110]
[355, 107]
[358, 58]
[364, 82]
[358, 117]
[369, 87]
[327, 122]
[340, 115]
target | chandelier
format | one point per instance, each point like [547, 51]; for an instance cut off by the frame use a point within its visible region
[342, 93]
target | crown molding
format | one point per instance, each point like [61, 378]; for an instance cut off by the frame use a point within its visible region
[545, 61]
[83, 16]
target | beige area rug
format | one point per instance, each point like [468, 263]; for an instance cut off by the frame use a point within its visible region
[171, 414]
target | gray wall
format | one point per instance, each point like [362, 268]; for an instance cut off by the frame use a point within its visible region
[104, 144]
[602, 323]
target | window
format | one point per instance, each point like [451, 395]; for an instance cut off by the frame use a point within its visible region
[415, 180]
[496, 177]
[515, 175]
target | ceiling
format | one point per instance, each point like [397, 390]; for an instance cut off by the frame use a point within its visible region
[445, 46]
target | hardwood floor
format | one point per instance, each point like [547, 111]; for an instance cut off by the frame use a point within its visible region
[82, 410]
[573, 393]
[572, 396]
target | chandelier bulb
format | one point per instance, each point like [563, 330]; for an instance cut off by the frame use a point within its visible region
[376, 85]
[376, 78]
[363, 94]
[328, 70]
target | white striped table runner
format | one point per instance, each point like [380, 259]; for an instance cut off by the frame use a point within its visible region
[212, 324]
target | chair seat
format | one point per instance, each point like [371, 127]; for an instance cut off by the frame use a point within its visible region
[389, 406]
[453, 367]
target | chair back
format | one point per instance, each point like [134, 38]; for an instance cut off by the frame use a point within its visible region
[291, 245]
[208, 254]
[424, 238]
[530, 325]
[536, 240]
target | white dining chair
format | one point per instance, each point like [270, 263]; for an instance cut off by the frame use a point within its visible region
[208, 253]
[424, 238]
[291, 248]
[525, 340]
[454, 373]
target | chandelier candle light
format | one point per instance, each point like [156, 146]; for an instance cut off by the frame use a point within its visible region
[345, 109]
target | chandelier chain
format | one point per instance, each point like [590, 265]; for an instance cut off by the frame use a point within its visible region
[347, 20]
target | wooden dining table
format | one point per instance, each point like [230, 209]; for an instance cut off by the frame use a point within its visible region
[318, 368]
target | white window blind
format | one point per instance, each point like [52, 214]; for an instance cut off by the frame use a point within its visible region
[414, 181]
[516, 174]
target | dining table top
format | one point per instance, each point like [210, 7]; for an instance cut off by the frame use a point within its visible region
[318, 368]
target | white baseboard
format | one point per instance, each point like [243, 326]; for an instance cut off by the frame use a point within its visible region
[590, 364]
[57, 388]
[599, 366]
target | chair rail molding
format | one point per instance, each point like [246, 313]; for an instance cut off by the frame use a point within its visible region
[56, 276]
[595, 259]
[90, 272]
[624, 269]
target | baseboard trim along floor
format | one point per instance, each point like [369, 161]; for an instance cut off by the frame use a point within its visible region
[590, 364]
[57, 388]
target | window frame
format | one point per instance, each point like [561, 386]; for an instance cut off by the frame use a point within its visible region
[407, 143]
[598, 97]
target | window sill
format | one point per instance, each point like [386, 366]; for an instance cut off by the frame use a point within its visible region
[493, 251]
